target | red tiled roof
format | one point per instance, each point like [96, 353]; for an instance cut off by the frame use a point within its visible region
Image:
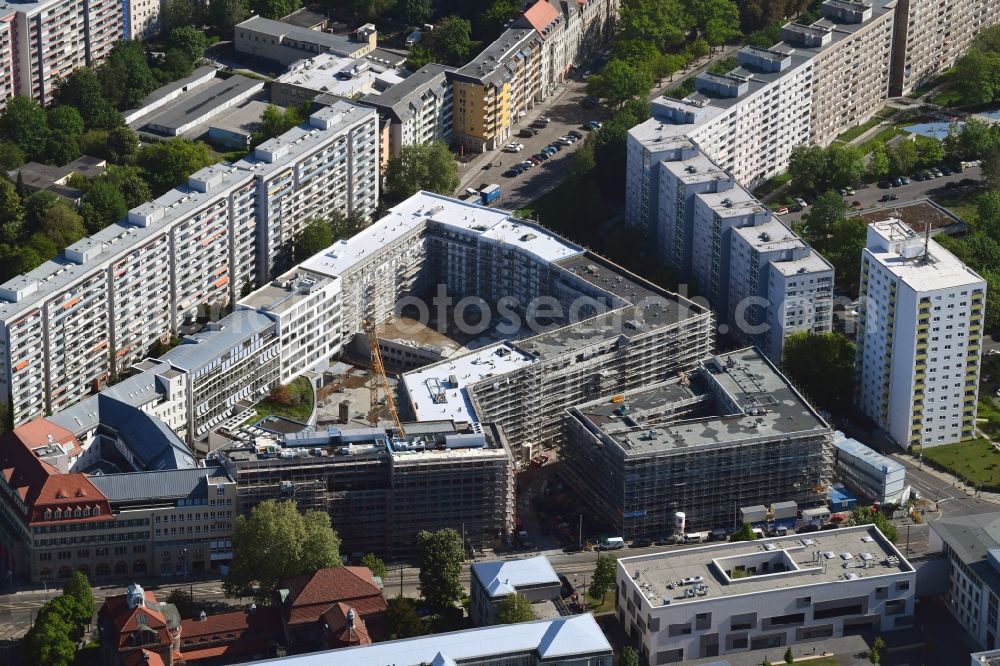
[232, 626]
[341, 631]
[310, 595]
[125, 619]
[540, 15]
[143, 657]
[39, 484]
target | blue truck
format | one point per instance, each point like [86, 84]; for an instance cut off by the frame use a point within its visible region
[489, 194]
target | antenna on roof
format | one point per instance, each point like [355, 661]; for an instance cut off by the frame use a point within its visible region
[927, 237]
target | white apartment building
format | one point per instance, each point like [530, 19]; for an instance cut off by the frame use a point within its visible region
[76, 322]
[768, 594]
[918, 338]
[931, 35]
[328, 166]
[418, 109]
[764, 282]
[142, 18]
[54, 37]
[8, 57]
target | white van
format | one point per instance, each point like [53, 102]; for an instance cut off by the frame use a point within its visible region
[613, 543]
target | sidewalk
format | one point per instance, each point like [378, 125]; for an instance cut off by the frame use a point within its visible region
[953, 480]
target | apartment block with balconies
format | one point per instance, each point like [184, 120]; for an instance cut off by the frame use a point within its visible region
[919, 338]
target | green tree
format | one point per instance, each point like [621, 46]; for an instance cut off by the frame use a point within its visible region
[975, 140]
[807, 164]
[62, 225]
[189, 40]
[847, 240]
[403, 619]
[419, 56]
[23, 122]
[822, 366]
[878, 162]
[621, 81]
[271, 544]
[423, 166]
[930, 151]
[275, 121]
[314, 238]
[184, 603]
[629, 657]
[103, 204]
[414, 11]
[82, 90]
[125, 75]
[745, 533]
[869, 515]
[988, 206]
[514, 608]
[875, 656]
[451, 40]
[375, 565]
[977, 77]
[902, 158]
[491, 23]
[718, 21]
[180, 13]
[130, 182]
[699, 48]
[845, 165]
[665, 64]
[604, 576]
[122, 144]
[829, 208]
[440, 556]
[11, 156]
[11, 213]
[224, 15]
[36, 204]
[16, 260]
[610, 147]
[789, 657]
[49, 640]
[169, 163]
[664, 23]
[78, 589]
[581, 164]
[65, 135]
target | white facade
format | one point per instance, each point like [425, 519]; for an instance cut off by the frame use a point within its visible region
[868, 473]
[142, 18]
[768, 594]
[918, 338]
[75, 322]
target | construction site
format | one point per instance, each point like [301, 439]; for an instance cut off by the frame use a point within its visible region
[731, 433]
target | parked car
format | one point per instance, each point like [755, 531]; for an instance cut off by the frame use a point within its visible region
[514, 147]
[538, 124]
[594, 125]
[842, 191]
[782, 211]
[541, 156]
[855, 204]
[589, 102]
[800, 202]
[556, 145]
[937, 172]
[918, 177]
[895, 181]
[806, 529]
[528, 132]
[576, 135]
[526, 164]
[564, 141]
[511, 173]
[545, 119]
[850, 191]
[968, 182]
[534, 160]
[946, 171]
[904, 180]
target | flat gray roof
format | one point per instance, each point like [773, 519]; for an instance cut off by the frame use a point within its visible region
[160, 484]
[399, 95]
[171, 88]
[336, 43]
[741, 396]
[208, 345]
[971, 538]
[206, 101]
[849, 553]
[490, 65]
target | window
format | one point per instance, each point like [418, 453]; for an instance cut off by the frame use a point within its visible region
[902, 585]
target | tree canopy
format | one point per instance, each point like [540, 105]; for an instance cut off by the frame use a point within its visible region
[869, 515]
[604, 576]
[451, 42]
[822, 366]
[375, 565]
[78, 589]
[403, 619]
[514, 608]
[816, 169]
[422, 166]
[745, 533]
[440, 556]
[621, 81]
[274, 542]
[629, 657]
[102, 205]
[169, 163]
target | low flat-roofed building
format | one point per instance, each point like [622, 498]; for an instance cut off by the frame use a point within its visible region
[491, 582]
[234, 130]
[169, 92]
[190, 113]
[331, 74]
[567, 641]
[749, 595]
[869, 473]
[732, 432]
[287, 42]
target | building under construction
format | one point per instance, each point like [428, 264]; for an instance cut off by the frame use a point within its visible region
[731, 433]
[379, 489]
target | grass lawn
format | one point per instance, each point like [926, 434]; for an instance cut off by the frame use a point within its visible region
[857, 131]
[595, 604]
[975, 462]
[293, 401]
[961, 205]
[947, 97]
[771, 184]
[882, 137]
[822, 661]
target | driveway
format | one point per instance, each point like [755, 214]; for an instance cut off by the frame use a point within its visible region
[869, 195]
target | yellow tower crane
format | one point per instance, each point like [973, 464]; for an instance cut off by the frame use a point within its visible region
[378, 375]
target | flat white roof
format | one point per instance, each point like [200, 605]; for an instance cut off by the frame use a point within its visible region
[503, 577]
[435, 396]
[938, 269]
[424, 207]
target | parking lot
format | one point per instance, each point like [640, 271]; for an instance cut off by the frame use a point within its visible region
[871, 195]
[567, 112]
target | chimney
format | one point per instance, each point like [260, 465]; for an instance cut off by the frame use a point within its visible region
[350, 618]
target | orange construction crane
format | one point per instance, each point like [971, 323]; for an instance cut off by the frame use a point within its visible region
[378, 374]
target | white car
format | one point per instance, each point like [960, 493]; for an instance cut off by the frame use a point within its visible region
[514, 147]
[565, 140]
[544, 119]
[527, 164]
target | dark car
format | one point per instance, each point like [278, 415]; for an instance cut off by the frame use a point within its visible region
[946, 171]
[917, 177]
[527, 132]
[829, 526]
[589, 102]
[642, 543]
[895, 182]
[511, 173]
[556, 146]
[541, 156]
[805, 529]
[968, 182]
[539, 124]
[566, 588]
[575, 134]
